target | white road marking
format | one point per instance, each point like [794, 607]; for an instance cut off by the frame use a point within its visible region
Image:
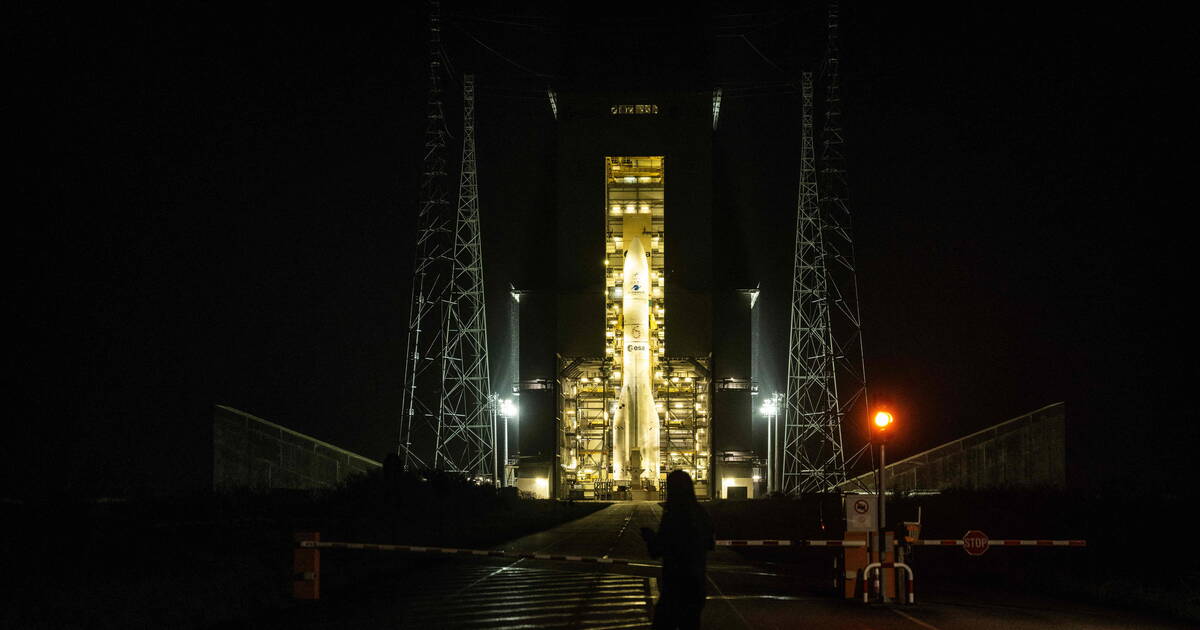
[914, 619]
[729, 602]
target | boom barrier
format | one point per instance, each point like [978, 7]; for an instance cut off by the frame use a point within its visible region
[306, 561]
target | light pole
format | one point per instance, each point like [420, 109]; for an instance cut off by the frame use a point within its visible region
[883, 422]
[770, 409]
[508, 409]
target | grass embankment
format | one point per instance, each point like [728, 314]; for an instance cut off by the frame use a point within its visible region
[1126, 562]
[194, 561]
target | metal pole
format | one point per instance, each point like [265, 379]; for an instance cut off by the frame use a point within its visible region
[505, 450]
[497, 471]
[882, 518]
[770, 454]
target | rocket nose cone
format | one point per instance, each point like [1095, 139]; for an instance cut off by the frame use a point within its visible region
[635, 249]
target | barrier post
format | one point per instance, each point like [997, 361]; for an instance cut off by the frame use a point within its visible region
[853, 561]
[872, 575]
[306, 567]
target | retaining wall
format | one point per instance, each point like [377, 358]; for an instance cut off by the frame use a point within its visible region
[249, 452]
[1029, 450]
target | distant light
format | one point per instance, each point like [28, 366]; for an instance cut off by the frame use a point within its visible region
[616, 374]
[643, 179]
[883, 419]
[757, 478]
[674, 379]
[583, 379]
[629, 209]
[508, 408]
[769, 407]
[616, 209]
[542, 482]
[605, 262]
[679, 405]
[630, 179]
[645, 209]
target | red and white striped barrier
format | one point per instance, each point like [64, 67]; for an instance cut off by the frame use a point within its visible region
[494, 553]
[948, 542]
[791, 543]
[955, 542]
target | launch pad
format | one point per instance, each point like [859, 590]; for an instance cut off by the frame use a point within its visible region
[589, 393]
[604, 410]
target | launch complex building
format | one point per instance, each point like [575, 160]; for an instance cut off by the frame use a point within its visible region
[633, 312]
[635, 354]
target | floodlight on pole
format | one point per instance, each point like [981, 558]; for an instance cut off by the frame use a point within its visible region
[508, 409]
[770, 409]
[882, 420]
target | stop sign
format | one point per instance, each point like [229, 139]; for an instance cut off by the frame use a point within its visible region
[975, 542]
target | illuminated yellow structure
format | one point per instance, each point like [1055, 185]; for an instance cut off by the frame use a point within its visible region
[592, 408]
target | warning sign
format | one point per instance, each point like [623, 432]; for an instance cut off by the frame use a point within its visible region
[860, 513]
[975, 542]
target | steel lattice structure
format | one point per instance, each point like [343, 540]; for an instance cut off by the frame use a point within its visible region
[432, 269]
[826, 371]
[812, 438]
[466, 427]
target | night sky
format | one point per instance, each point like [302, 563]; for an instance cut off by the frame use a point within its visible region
[218, 208]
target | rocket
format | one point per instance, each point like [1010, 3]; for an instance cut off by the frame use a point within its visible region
[636, 424]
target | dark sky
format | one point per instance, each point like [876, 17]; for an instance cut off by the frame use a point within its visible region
[218, 208]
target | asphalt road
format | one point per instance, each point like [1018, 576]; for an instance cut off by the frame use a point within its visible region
[469, 592]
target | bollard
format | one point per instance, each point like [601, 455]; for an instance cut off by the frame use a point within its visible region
[877, 568]
[306, 567]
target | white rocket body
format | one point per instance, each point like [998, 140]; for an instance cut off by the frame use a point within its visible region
[636, 426]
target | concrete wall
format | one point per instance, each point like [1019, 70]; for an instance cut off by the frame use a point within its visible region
[1029, 450]
[249, 452]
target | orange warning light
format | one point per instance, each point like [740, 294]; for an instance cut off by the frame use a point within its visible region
[883, 419]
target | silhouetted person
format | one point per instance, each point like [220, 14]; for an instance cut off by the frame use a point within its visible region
[684, 538]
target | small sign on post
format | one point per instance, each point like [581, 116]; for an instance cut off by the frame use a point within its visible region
[860, 513]
[975, 542]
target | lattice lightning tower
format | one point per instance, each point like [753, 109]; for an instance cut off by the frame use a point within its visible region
[812, 436]
[829, 378]
[432, 268]
[466, 428]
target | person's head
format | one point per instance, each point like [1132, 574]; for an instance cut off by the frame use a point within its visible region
[679, 488]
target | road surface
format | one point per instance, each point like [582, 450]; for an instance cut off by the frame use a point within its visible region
[469, 592]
